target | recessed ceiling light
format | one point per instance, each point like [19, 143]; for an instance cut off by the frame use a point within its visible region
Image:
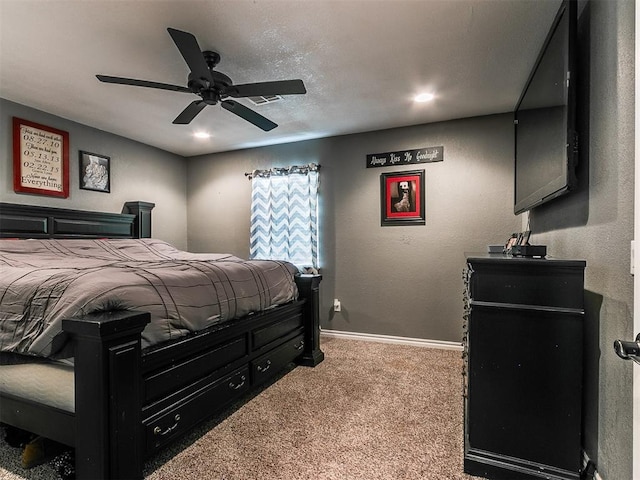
[423, 97]
[201, 135]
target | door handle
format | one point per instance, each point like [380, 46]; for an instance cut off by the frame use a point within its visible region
[628, 350]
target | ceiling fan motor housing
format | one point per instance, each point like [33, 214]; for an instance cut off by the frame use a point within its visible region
[210, 92]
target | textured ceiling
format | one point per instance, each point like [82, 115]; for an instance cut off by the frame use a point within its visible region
[361, 62]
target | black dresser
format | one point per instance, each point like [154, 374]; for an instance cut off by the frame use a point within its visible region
[523, 367]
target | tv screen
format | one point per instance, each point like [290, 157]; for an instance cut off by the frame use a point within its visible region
[545, 133]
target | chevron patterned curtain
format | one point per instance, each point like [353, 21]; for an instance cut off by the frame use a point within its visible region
[284, 215]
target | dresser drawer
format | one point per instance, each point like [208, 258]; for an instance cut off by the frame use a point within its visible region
[172, 422]
[265, 366]
[528, 283]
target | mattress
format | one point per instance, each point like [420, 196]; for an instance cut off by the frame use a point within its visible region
[45, 281]
[46, 383]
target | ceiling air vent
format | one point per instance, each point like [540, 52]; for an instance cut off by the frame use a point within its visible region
[264, 100]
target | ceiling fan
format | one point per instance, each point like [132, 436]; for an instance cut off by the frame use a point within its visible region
[213, 86]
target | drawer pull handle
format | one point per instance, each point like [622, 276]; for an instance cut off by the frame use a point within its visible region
[158, 430]
[299, 346]
[236, 387]
[265, 368]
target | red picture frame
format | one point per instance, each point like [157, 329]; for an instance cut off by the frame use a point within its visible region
[402, 198]
[40, 159]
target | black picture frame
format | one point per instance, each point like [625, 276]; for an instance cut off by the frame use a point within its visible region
[402, 198]
[94, 172]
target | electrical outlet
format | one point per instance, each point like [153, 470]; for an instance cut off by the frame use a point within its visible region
[336, 305]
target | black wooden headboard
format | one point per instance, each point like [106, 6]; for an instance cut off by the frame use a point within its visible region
[29, 221]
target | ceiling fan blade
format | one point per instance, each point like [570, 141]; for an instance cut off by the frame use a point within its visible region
[282, 87]
[190, 50]
[189, 113]
[141, 83]
[249, 115]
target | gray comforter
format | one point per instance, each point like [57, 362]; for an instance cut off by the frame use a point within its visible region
[45, 281]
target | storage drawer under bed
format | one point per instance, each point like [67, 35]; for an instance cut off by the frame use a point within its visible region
[191, 369]
[273, 331]
[178, 419]
[269, 364]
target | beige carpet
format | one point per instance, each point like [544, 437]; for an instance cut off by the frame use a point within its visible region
[369, 411]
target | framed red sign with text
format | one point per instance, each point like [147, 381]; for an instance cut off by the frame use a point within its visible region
[402, 198]
[40, 159]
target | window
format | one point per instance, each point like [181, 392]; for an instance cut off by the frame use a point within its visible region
[284, 215]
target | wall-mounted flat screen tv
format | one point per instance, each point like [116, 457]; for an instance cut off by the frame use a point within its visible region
[546, 140]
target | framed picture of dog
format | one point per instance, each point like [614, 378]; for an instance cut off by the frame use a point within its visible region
[402, 198]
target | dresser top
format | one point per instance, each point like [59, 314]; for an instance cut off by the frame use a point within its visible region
[483, 257]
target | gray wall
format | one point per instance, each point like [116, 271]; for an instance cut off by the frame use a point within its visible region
[138, 172]
[403, 281]
[596, 223]
[406, 280]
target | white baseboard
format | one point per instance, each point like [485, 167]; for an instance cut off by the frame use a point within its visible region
[585, 461]
[372, 337]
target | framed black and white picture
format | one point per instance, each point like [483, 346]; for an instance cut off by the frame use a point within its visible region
[95, 172]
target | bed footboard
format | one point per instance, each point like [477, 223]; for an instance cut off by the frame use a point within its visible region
[107, 394]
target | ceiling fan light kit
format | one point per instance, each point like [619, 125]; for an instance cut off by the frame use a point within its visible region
[212, 86]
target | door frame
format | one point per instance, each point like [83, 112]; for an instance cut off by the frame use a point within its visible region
[636, 256]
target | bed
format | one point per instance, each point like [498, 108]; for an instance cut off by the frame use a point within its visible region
[132, 386]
